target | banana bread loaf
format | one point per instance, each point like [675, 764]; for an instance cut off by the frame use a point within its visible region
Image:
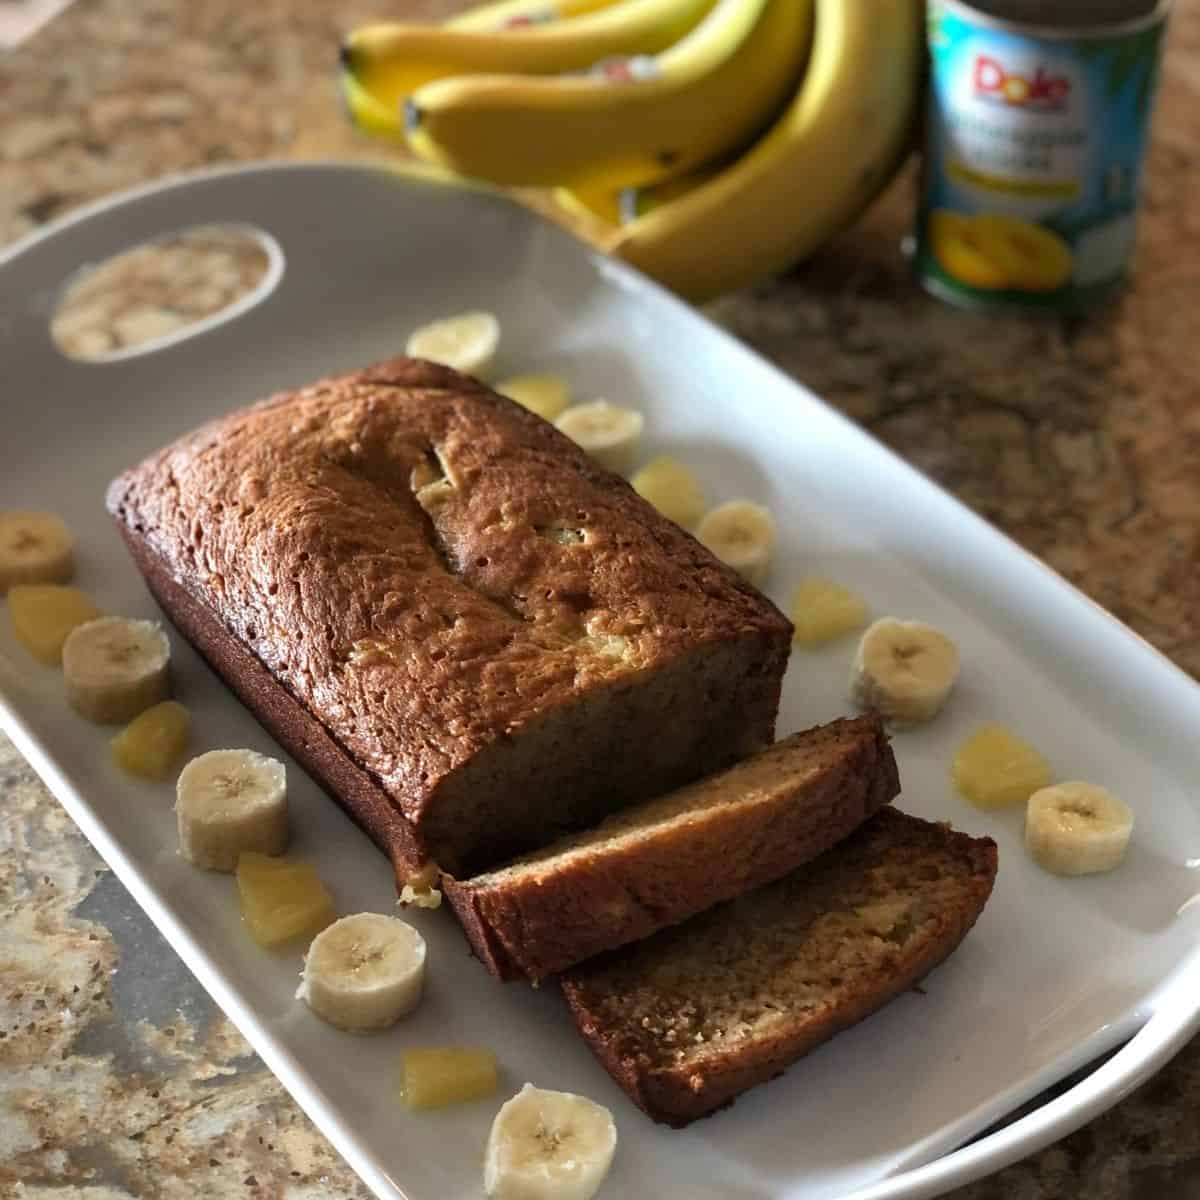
[474, 637]
[660, 862]
[694, 1016]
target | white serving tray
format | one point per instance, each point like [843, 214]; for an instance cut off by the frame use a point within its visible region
[1057, 971]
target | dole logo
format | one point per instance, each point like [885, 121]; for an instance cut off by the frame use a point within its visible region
[1043, 93]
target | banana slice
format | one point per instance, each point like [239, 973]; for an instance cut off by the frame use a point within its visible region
[741, 535]
[672, 488]
[903, 670]
[364, 972]
[605, 432]
[229, 801]
[548, 1146]
[467, 342]
[35, 547]
[1077, 828]
[546, 395]
[116, 668]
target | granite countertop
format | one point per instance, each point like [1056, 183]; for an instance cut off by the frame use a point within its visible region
[1079, 438]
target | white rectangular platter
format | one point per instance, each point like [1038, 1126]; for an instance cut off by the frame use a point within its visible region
[1057, 971]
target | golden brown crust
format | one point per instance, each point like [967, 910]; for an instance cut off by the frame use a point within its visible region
[758, 821]
[389, 545]
[675, 1088]
[297, 731]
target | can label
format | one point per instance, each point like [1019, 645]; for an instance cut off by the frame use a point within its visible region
[1033, 155]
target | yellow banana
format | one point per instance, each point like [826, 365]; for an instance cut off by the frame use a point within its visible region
[593, 203]
[389, 61]
[628, 123]
[366, 113]
[517, 14]
[618, 208]
[826, 158]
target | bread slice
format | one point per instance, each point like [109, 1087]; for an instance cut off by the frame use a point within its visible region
[691, 1018]
[665, 860]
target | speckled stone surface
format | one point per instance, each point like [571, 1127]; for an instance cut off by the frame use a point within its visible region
[1081, 439]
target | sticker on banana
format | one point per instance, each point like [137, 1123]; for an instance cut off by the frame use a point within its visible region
[386, 62]
[628, 122]
[520, 14]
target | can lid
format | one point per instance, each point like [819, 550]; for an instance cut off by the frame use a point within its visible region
[1072, 16]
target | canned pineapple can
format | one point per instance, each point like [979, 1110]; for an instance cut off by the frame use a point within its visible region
[1034, 145]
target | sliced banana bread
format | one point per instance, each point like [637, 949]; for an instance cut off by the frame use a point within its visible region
[664, 860]
[694, 1016]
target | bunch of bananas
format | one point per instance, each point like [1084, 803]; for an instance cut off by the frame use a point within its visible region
[708, 141]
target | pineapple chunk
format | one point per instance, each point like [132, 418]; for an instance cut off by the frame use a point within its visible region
[441, 1075]
[823, 610]
[994, 768]
[281, 899]
[152, 742]
[547, 395]
[673, 489]
[43, 614]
